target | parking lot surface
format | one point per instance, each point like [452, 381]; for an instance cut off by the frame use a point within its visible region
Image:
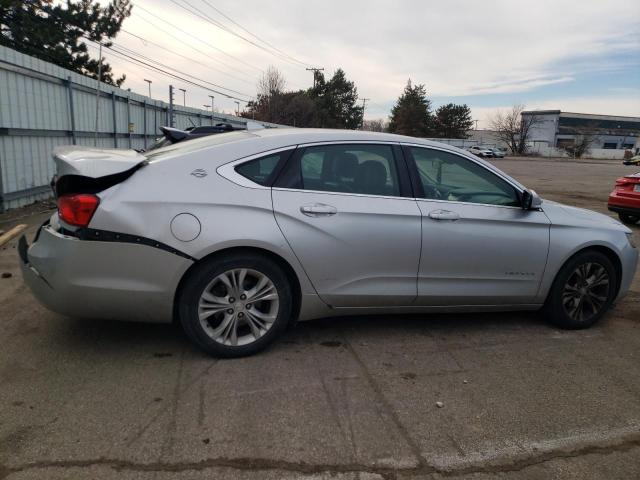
[423, 396]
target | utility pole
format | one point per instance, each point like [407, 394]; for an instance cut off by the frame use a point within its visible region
[149, 82]
[211, 97]
[238, 108]
[476, 124]
[95, 133]
[171, 106]
[364, 104]
[184, 96]
[315, 73]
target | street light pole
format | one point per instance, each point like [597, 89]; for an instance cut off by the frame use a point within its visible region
[149, 82]
[211, 97]
[184, 96]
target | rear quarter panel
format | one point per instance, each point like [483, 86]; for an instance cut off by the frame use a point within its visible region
[230, 215]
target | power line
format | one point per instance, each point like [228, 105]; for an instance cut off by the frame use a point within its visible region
[85, 36]
[144, 40]
[134, 53]
[199, 39]
[127, 57]
[203, 16]
[254, 35]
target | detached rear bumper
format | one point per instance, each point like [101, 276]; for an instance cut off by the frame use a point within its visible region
[95, 279]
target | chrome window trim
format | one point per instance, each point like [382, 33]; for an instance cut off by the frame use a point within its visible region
[468, 203]
[348, 142]
[471, 158]
[228, 170]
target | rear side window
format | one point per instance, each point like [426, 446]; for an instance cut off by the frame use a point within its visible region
[263, 170]
[344, 168]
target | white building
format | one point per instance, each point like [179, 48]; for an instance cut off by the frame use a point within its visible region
[612, 135]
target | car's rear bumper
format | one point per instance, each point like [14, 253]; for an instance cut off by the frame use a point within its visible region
[624, 209]
[95, 279]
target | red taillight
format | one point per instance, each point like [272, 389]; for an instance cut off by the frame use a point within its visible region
[77, 209]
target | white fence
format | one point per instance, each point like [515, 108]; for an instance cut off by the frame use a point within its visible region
[43, 105]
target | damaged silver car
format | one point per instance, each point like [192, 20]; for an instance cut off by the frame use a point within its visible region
[240, 234]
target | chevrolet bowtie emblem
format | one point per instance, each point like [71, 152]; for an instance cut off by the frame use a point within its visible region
[199, 173]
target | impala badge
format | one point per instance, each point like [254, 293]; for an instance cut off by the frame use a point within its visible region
[199, 173]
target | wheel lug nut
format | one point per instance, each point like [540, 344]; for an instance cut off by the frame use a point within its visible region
[231, 299]
[248, 306]
[243, 297]
[241, 315]
[230, 311]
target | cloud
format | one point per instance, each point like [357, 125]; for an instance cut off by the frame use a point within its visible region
[455, 48]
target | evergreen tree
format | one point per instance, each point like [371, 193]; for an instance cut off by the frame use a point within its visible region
[411, 115]
[453, 121]
[56, 33]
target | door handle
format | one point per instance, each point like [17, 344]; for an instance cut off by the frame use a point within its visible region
[444, 215]
[318, 209]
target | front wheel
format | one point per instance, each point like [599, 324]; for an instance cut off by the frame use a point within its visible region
[235, 306]
[628, 219]
[582, 292]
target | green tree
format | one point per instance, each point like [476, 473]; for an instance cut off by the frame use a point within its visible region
[411, 115]
[56, 33]
[336, 101]
[328, 104]
[453, 121]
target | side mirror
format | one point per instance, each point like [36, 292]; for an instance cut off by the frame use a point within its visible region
[530, 200]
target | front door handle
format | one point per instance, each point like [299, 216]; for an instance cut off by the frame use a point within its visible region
[443, 215]
[318, 209]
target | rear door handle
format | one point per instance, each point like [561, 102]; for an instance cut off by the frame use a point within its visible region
[443, 215]
[318, 209]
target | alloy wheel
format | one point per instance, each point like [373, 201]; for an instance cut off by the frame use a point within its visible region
[586, 291]
[238, 307]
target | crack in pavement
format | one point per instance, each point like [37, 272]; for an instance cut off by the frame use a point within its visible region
[257, 464]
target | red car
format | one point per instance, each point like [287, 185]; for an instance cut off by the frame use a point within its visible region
[625, 198]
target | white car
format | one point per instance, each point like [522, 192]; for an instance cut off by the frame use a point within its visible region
[481, 152]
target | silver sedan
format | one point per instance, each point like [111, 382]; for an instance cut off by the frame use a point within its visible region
[238, 235]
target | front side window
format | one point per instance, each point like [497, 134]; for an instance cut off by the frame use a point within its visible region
[363, 169]
[262, 170]
[446, 176]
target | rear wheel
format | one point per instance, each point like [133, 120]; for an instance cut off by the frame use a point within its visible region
[236, 306]
[629, 219]
[583, 291]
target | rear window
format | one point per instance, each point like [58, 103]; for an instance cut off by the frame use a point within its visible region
[189, 146]
[263, 170]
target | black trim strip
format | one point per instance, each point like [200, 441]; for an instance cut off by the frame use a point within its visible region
[93, 234]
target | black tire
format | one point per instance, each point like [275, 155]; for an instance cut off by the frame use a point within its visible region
[200, 278]
[555, 310]
[628, 219]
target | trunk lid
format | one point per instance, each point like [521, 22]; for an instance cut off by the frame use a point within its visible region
[92, 170]
[94, 162]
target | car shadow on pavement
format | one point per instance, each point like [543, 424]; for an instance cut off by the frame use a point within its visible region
[166, 340]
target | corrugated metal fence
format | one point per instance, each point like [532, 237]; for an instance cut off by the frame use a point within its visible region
[43, 105]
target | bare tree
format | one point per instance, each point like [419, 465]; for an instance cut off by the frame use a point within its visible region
[377, 125]
[513, 128]
[580, 146]
[271, 82]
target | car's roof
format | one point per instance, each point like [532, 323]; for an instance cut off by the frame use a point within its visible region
[310, 135]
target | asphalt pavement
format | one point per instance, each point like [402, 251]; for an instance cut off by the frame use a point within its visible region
[473, 396]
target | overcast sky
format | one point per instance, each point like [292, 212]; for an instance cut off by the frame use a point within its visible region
[581, 56]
